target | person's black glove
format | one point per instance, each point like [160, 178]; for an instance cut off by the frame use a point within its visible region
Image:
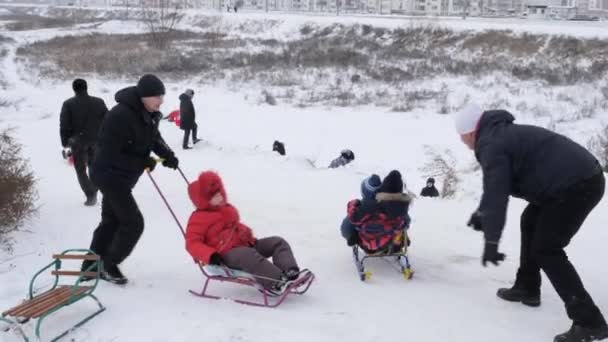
[491, 254]
[150, 164]
[171, 162]
[215, 259]
[475, 221]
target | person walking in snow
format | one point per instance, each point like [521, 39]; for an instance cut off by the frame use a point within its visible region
[79, 123]
[215, 235]
[430, 190]
[346, 156]
[128, 135]
[188, 118]
[562, 182]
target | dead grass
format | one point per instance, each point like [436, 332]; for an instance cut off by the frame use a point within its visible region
[17, 186]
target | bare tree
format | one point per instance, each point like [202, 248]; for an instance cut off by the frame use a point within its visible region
[161, 17]
[442, 166]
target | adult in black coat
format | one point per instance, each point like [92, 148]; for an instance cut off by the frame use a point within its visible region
[562, 182]
[430, 190]
[187, 116]
[79, 123]
[128, 135]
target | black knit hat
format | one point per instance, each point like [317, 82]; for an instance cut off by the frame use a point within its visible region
[430, 180]
[79, 85]
[150, 86]
[392, 183]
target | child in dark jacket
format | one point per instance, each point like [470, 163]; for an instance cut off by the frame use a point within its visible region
[430, 190]
[381, 220]
[369, 187]
[215, 235]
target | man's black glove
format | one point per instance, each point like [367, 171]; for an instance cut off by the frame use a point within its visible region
[150, 164]
[215, 259]
[491, 254]
[475, 221]
[171, 162]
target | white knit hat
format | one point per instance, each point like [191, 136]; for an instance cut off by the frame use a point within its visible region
[467, 118]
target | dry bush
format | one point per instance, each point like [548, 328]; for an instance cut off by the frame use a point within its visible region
[130, 54]
[17, 186]
[442, 166]
[598, 145]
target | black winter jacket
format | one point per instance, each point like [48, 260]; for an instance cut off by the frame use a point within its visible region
[429, 192]
[527, 162]
[128, 135]
[80, 119]
[187, 114]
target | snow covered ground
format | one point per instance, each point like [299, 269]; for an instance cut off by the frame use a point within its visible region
[451, 298]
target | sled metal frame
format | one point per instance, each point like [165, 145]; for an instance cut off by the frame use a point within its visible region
[43, 305]
[298, 287]
[401, 255]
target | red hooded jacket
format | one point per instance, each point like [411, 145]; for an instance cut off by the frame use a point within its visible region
[213, 229]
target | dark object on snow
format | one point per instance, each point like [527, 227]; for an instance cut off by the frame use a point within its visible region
[562, 182]
[278, 147]
[188, 118]
[346, 156]
[430, 190]
[79, 123]
[128, 135]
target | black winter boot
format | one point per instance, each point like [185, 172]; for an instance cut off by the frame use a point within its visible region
[112, 274]
[517, 294]
[579, 333]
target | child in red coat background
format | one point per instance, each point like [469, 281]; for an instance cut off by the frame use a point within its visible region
[216, 236]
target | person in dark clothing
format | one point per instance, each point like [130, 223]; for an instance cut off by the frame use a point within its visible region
[562, 182]
[430, 190]
[187, 118]
[278, 147]
[128, 135]
[79, 124]
[346, 156]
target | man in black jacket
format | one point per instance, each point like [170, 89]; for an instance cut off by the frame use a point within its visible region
[79, 123]
[187, 116]
[562, 182]
[128, 135]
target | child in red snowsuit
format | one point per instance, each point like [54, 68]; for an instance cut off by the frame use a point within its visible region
[216, 236]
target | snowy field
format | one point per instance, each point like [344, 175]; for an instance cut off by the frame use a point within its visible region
[451, 298]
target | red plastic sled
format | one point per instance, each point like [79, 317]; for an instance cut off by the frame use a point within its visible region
[225, 274]
[174, 117]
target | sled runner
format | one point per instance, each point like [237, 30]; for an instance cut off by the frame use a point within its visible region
[40, 306]
[398, 257]
[225, 274]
